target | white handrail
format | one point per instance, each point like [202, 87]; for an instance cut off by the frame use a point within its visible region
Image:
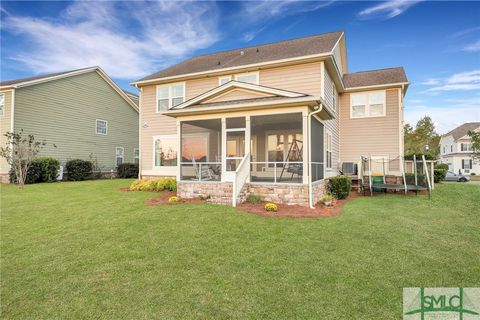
[241, 175]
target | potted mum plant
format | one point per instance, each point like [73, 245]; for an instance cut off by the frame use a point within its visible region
[328, 200]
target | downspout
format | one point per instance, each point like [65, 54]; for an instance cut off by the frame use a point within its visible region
[309, 164]
[139, 131]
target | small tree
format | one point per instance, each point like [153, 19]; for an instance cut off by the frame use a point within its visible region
[475, 136]
[20, 151]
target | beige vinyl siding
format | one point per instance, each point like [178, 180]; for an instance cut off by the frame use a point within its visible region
[64, 113]
[237, 94]
[303, 78]
[332, 125]
[196, 87]
[5, 126]
[378, 136]
[152, 124]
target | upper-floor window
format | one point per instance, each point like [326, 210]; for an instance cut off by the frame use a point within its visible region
[250, 77]
[223, 80]
[169, 96]
[371, 104]
[451, 148]
[2, 104]
[101, 126]
[466, 147]
[119, 155]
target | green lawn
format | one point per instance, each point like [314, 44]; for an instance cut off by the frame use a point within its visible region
[86, 250]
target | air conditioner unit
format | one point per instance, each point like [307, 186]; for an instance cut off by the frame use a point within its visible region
[349, 168]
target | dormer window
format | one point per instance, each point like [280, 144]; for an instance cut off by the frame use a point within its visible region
[169, 96]
[223, 80]
[251, 77]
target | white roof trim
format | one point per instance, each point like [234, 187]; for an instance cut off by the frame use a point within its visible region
[241, 85]
[74, 73]
[396, 84]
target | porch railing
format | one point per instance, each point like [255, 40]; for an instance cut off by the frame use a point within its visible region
[241, 175]
[276, 171]
[200, 171]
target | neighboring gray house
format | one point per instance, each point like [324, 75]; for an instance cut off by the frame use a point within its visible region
[81, 114]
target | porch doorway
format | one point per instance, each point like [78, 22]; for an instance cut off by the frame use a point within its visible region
[235, 131]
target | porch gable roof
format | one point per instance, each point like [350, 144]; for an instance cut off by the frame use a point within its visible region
[234, 85]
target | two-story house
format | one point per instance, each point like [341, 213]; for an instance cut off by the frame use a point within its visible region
[456, 149]
[275, 120]
[81, 114]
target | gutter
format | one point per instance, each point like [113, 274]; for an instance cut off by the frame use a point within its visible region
[309, 133]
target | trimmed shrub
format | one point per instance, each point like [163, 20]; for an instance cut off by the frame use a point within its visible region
[40, 170]
[127, 170]
[79, 169]
[473, 174]
[33, 174]
[339, 186]
[154, 185]
[254, 199]
[443, 166]
[173, 199]
[439, 175]
[48, 169]
[271, 207]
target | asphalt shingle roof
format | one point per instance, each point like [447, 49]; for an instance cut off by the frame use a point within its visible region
[462, 130]
[374, 77]
[21, 80]
[317, 44]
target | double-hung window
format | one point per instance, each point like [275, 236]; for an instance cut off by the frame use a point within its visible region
[101, 126]
[371, 104]
[466, 147]
[169, 96]
[136, 155]
[328, 150]
[467, 164]
[2, 104]
[119, 155]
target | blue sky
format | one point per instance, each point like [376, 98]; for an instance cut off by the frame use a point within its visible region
[438, 43]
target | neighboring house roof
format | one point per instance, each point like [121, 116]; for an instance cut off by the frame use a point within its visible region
[375, 77]
[462, 130]
[233, 84]
[24, 82]
[318, 44]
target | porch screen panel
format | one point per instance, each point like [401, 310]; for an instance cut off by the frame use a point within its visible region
[317, 150]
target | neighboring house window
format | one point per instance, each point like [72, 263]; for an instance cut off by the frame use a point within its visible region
[2, 104]
[165, 151]
[119, 155]
[247, 77]
[444, 151]
[466, 147]
[328, 150]
[101, 126]
[136, 155]
[223, 80]
[467, 164]
[451, 148]
[169, 96]
[370, 104]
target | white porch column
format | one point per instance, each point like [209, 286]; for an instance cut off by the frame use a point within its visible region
[248, 142]
[224, 149]
[306, 144]
[179, 154]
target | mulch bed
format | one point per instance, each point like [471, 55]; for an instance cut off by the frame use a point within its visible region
[296, 211]
[162, 199]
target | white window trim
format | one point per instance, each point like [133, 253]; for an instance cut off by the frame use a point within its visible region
[165, 136]
[123, 155]
[328, 134]
[367, 105]
[2, 110]
[170, 98]
[106, 127]
[134, 151]
[223, 77]
[248, 73]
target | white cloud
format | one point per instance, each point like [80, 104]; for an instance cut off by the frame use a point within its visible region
[388, 9]
[262, 12]
[127, 39]
[445, 119]
[473, 47]
[469, 80]
[431, 82]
